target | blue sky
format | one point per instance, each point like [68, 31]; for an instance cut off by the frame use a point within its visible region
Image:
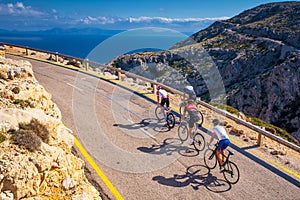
[184, 15]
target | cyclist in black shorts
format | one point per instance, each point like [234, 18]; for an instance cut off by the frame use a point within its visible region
[163, 97]
[194, 117]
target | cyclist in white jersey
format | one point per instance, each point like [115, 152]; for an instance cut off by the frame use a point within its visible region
[163, 97]
[223, 138]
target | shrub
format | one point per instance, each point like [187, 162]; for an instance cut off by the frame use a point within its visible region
[30, 135]
[27, 139]
[39, 129]
[2, 138]
[274, 130]
[228, 108]
[19, 102]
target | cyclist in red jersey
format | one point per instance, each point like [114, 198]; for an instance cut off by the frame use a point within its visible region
[191, 109]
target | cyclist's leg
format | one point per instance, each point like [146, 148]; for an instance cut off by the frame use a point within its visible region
[190, 130]
[223, 144]
[162, 103]
[219, 153]
[168, 104]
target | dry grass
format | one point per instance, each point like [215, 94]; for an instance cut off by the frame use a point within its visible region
[31, 135]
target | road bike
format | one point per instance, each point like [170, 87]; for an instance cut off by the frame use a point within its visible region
[198, 138]
[162, 112]
[230, 171]
[198, 105]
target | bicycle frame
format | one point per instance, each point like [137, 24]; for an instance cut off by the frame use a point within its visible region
[226, 157]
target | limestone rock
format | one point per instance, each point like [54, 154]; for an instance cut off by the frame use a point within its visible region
[50, 170]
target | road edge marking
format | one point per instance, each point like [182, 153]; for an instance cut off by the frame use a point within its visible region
[90, 160]
[151, 96]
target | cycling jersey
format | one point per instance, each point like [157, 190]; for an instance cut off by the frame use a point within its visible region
[193, 113]
[221, 132]
[163, 94]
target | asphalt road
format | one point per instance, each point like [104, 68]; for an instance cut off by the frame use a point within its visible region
[141, 157]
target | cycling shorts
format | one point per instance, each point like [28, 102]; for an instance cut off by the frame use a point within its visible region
[165, 101]
[192, 122]
[223, 144]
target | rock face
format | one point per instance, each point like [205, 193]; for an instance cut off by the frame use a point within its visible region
[35, 147]
[258, 59]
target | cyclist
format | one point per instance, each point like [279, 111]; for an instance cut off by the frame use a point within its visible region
[189, 92]
[163, 97]
[194, 117]
[223, 138]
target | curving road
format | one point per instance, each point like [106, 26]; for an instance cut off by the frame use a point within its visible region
[141, 157]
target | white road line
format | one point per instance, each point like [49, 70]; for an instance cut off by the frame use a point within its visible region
[142, 129]
[74, 87]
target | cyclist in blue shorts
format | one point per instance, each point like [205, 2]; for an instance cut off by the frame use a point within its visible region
[223, 138]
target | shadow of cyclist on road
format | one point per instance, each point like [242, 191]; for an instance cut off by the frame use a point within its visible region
[195, 176]
[169, 147]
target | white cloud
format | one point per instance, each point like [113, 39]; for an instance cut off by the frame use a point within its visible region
[18, 9]
[100, 20]
[144, 19]
[171, 20]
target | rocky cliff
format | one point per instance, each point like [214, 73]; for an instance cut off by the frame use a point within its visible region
[257, 56]
[35, 147]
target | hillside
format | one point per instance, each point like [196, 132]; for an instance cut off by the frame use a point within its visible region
[35, 146]
[257, 58]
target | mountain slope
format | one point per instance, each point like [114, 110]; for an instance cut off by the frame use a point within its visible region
[257, 53]
[257, 56]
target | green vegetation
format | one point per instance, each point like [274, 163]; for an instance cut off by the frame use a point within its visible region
[2, 138]
[262, 47]
[30, 135]
[258, 122]
[228, 108]
[20, 102]
[274, 129]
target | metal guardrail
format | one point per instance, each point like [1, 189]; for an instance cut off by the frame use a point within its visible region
[86, 64]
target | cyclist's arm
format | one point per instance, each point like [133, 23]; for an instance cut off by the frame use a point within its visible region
[183, 115]
[213, 134]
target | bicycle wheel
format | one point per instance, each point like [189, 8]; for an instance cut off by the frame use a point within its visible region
[199, 142]
[183, 132]
[210, 159]
[231, 172]
[159, 112]
[171, 120]
[201, 120]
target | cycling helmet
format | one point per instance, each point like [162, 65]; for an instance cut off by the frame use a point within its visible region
[190, 101]
[215, 121]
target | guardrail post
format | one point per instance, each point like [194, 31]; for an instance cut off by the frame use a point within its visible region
[119, 74]
[260, 137]
[86, 64]
[154, 88]
[56, 56]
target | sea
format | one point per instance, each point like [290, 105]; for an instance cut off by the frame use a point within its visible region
[81, 45]
[73, 45]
